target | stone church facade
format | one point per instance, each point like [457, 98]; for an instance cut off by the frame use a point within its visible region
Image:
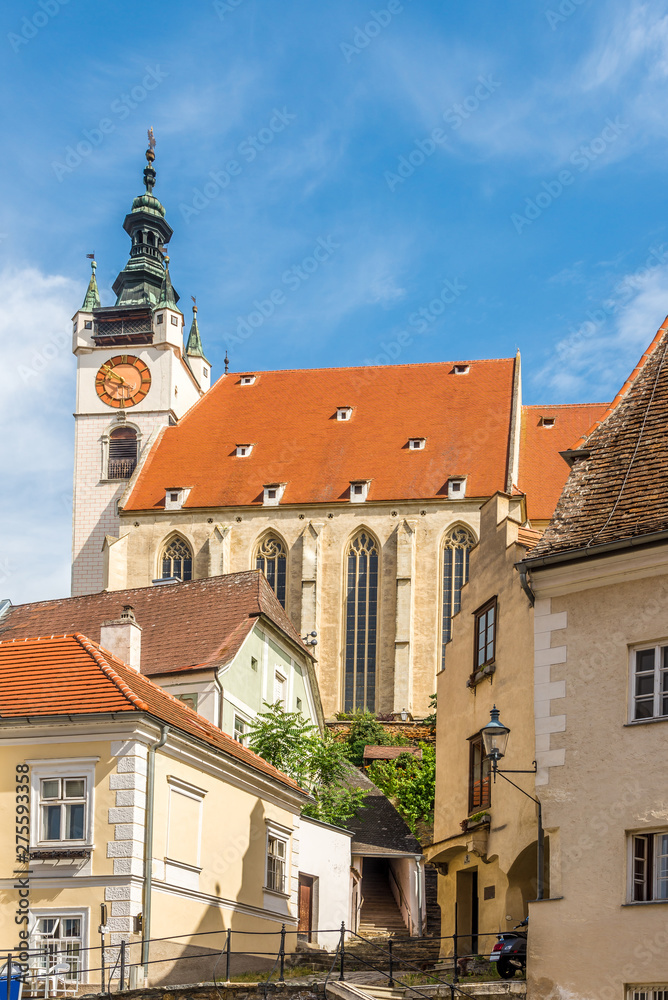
[356, 491]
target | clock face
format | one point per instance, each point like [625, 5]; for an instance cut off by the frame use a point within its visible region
[123, 381]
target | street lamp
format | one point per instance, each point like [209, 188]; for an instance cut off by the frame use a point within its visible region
[495, 739]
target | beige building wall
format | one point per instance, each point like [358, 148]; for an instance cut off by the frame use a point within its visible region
[410, 538]
[601, 776]
[490, 868]
[212, 818]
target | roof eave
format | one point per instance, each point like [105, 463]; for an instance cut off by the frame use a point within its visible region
[589, 551]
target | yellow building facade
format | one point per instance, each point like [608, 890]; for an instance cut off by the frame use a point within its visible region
[141, 806]
[485, 833]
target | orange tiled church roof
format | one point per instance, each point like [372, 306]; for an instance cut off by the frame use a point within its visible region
[619, 488]
[547, 431]
[66, 675]
[290, 419]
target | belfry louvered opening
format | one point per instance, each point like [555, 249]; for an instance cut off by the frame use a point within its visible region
[122, 453]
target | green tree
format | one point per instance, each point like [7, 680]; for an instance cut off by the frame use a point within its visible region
[315, 761]
[430, 720]
[410, 784]
[365, 730]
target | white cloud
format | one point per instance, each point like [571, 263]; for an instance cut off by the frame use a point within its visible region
[599, 353]
[36, 424]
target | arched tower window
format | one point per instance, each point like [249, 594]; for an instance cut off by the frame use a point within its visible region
[122, 453]
[458, 544]
[271, 558]
[361, 627]
[177, 560]
[150, 239]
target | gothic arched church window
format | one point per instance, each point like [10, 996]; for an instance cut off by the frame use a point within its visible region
[177, 560]
[271, 558]
[122, 453]
[458, 544]
[361, 628]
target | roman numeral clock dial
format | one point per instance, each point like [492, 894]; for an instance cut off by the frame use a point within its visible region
[123, 381]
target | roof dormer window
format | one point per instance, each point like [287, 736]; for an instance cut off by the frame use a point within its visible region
[416, 444]
[175, 497]
[243, 450]
[359, 490]
[456, 487]
[247, 380]
[461, 369]
[344, 412]
[547, 421]
[273, 494]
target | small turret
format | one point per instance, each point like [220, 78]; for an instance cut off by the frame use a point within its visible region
[168, 297]
[195, 358]
[92, 297]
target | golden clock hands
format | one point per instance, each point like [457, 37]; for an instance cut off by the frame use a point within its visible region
[110, 372]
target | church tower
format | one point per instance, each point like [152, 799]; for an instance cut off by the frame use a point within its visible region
[133, 378]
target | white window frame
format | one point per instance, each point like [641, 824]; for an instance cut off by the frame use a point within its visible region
[416, 444]
[238, 717]
[456, 487]
[247, 379]
[283, 835]
[359, 490]
[244, 450]
[659, 670]
[181, 493]
[655, 991]
[177, 786]
[273, 494]
[630, 867]
[344, 412]
[70, 767]
[280, 678]
[55, 913]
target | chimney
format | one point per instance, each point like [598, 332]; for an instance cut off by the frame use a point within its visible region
[123, 638]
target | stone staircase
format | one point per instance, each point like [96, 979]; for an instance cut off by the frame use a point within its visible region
[380, 916]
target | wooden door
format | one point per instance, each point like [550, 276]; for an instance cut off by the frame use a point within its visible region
[305, 928]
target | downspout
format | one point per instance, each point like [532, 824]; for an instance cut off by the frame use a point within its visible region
[216, 681]
[524, 583]
[422, 917]
[148, 846]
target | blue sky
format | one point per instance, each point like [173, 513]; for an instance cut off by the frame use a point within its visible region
[516, 152]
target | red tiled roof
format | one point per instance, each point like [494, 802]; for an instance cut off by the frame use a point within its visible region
[621, 490]
[62, 675]
[290, 418]
[201, 623]
[528, 537]
[543, 471]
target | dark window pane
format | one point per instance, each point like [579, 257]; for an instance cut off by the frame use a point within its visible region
[52, 823]
[644, 660]
[75, 822]
[644, 709]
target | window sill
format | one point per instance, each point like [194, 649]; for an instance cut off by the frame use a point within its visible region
[58, 852]
[184, 865]
[647, 902]
[646, 722]
[480, 675]
[275, 892]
